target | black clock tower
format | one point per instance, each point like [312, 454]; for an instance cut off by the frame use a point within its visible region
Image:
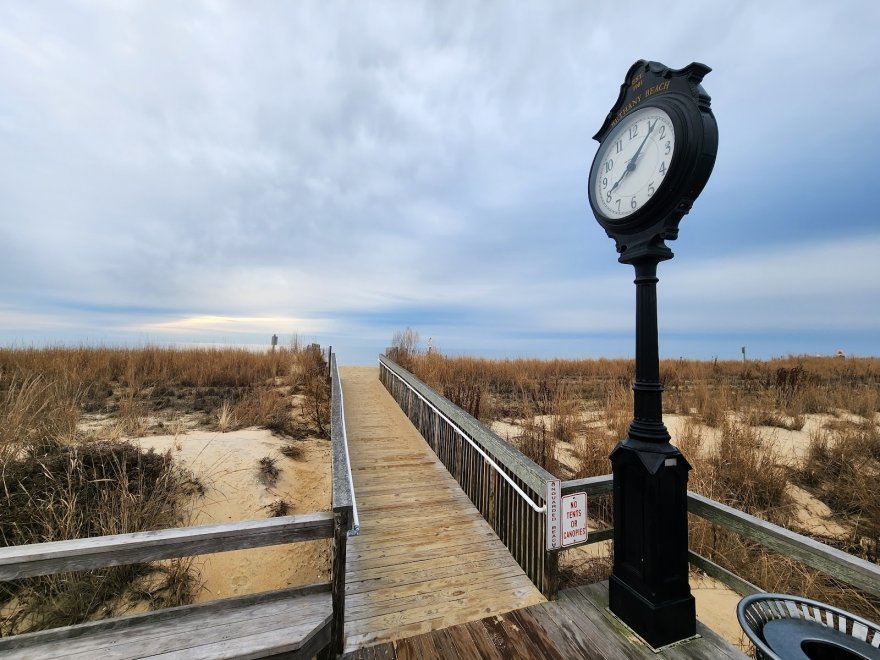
[657, 148]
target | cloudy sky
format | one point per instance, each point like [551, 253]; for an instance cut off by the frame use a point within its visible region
[216, 172]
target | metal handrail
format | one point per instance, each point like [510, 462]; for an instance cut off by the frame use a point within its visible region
[355, 520]
[495, 466]
[337, 391]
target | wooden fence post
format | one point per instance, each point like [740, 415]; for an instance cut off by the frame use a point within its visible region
[337, 577]
[551, 574]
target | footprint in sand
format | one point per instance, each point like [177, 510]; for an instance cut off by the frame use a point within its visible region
[238, 582]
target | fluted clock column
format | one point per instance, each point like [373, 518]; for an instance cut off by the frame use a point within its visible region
[649, 587]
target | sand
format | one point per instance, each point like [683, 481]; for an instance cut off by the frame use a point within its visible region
[228, 466]
[715, 603]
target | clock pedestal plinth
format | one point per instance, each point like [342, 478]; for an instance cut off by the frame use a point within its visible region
[649, 587]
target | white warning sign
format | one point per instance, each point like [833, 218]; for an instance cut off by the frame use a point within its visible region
[554, 490]
[573, 519]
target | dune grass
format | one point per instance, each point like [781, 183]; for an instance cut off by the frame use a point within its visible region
[588, 404]
[68, 471]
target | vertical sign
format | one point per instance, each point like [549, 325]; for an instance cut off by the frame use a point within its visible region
[574, 519]
[552, 502]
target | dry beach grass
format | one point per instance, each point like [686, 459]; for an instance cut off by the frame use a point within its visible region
[97, 441]
[101, 440]
[795, 441]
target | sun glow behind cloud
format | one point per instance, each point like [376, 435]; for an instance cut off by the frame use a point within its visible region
[230, 325]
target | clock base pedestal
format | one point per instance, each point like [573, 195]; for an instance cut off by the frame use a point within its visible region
[658, 624]
[649, 587]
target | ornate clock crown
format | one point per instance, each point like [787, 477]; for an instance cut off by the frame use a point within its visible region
[639, 77]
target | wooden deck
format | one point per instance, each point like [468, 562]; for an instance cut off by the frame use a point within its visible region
[575, 626]
[425, 559]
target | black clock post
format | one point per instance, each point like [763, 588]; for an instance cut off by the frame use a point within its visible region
[658, 147]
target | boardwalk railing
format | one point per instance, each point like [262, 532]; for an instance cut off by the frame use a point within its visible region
[431, 413]
[840, 565]
[344, 502]
[507, 487]
[159, 630]
[118, 550]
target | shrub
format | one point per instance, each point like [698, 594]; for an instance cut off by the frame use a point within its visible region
[58, 492]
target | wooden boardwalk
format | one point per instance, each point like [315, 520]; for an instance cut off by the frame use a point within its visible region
[577, 625]
[425, 559]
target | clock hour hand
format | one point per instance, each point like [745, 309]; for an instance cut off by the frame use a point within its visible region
[626, 171]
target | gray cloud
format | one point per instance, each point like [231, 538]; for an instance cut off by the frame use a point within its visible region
[292, 161]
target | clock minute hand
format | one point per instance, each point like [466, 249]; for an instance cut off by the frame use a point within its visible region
[632, 161]
[631, 164]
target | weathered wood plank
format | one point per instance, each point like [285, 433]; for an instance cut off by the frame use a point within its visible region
[382, 487]
[454, 642]
[417, 648]
[457, 548]
[576, 626]
[454, 581]
[483, 644]
[539, 637]
[356, 583]
[422, 500]
[592, 486]
[708, 645]
[852, 570]
[408, 535]
[303, 608]
[609, 636]
[599, 535]
[337, 572]
[446, 593]
[569, 635]
[414, 550]
[121, 549]
[371, 527]
[464, 561]
[259, 639]
[509, 641]
[282, 641]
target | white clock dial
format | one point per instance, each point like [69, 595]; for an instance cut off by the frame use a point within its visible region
[632, 162]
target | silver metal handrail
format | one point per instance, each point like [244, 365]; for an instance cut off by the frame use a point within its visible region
[337, 391]
[495, 466]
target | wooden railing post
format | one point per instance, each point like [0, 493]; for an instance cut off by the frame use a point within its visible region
[551, 574]
[337, 577]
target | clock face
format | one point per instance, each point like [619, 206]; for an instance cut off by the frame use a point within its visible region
[632, 163]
